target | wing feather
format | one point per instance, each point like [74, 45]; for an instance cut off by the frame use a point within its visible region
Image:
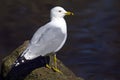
[45, 42]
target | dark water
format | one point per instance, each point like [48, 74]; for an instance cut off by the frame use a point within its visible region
[92, 49]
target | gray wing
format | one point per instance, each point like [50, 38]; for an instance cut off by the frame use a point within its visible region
[45, 42]
[38, 34]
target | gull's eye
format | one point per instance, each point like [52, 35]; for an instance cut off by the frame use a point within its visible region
[59, 11]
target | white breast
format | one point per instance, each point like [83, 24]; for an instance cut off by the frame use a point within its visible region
[60, 22]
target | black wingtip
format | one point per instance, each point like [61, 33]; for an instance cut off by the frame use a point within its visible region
[21, 71]
[19, 61]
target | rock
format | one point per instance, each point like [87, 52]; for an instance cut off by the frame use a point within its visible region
[34, 69]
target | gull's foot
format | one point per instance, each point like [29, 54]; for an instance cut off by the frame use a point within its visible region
[47, 66]
[56, 70]
[53, 68]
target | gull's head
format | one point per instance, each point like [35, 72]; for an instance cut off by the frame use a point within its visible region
[59, 12]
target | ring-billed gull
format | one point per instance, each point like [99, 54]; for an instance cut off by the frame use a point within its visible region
[47, 39]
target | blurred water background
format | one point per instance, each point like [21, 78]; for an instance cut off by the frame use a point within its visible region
[92, 50]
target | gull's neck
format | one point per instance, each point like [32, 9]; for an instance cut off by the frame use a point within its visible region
[59, 22]
[56, 19]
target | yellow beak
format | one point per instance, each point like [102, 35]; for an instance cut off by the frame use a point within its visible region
[69, 13]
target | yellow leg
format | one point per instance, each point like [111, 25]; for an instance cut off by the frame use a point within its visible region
[55, 61]
[55, 65]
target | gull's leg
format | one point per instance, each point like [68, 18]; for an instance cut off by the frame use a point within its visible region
[47, 65]
[55, 61]
[55, 65]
